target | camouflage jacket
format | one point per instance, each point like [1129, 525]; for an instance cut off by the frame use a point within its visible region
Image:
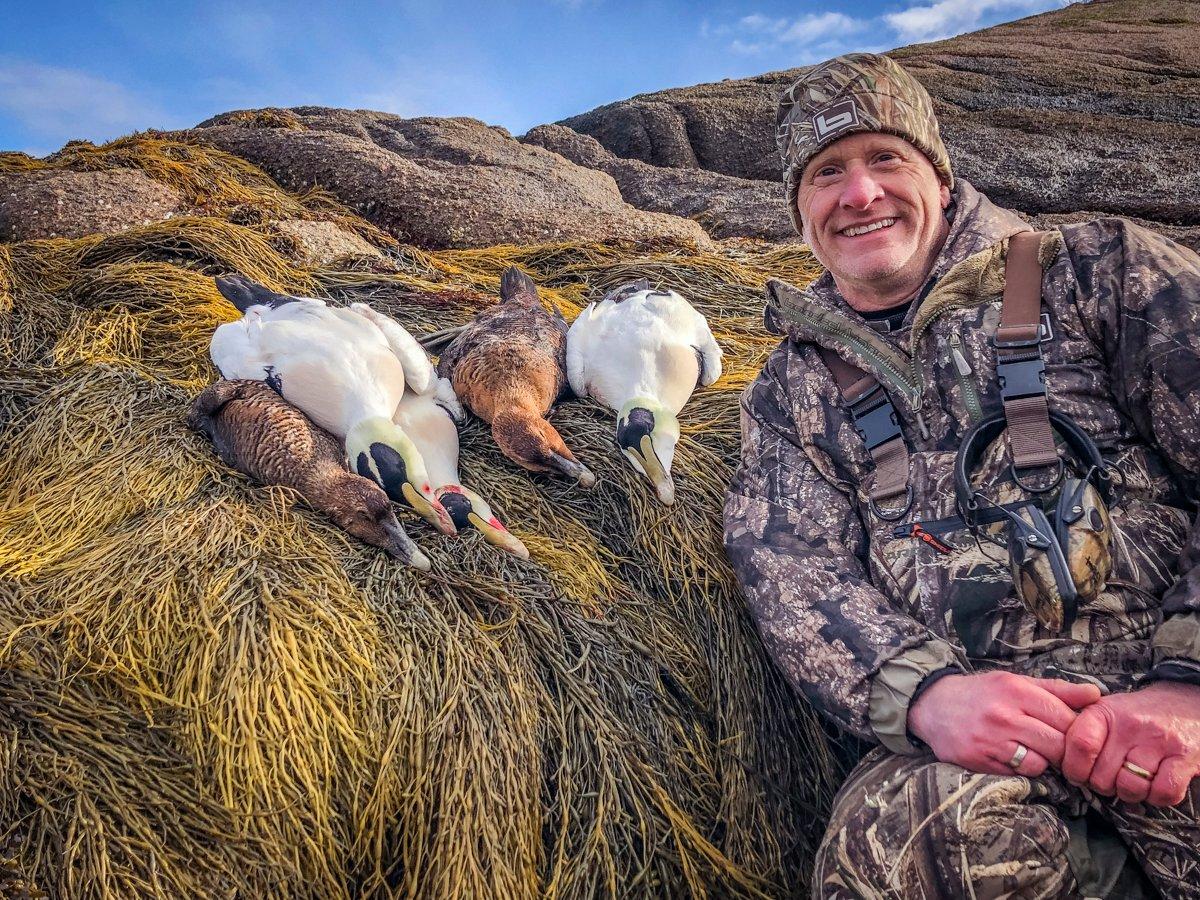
[855, 615]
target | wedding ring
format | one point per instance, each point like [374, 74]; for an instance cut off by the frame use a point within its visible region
[1138, 770]
[1019, 756]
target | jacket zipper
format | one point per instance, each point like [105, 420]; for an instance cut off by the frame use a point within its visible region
[966, 383]
[893, 376]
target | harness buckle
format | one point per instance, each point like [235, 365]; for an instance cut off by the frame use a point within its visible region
[1021, 377]
[1044, 333]
[875, 418]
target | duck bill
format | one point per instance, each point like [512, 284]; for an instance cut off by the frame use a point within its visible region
[648, 459]
[404, 548]
[497, 535]
[572, 469]
[428, 508]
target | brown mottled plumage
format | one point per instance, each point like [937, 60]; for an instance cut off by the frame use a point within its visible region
[259, 433]
[509, 367]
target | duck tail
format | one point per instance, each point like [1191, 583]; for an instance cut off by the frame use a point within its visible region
[516, 286]
[625, 291]
[244, 293]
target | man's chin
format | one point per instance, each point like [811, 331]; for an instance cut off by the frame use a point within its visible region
[875, 267]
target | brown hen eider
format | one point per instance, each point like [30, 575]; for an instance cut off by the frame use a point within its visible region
[259, 433]
[509, 367]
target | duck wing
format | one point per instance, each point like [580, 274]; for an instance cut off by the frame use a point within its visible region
[708, 356]
[444, 396]
[419, 373]
[687, 326]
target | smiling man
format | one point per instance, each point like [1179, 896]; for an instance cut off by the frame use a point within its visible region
[965, 516]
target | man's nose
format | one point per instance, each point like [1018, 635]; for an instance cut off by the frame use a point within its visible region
[860, 189]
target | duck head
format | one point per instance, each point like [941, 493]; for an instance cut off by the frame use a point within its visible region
[361, 508]
[647, 433]
[378, 449]
[468, 509]
[530, 440]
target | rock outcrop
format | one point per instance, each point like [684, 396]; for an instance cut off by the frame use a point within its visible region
[59, 203]
[320, 244]
[724, 205]
[1092, 107]
[439, 183]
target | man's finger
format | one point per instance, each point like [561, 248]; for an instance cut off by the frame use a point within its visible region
[1132, 784]
[1045, 705]
[1037, 735]
[1032, 763]
[1108, 764]
[1171, 781]
[1076, 696]
[1085, 740]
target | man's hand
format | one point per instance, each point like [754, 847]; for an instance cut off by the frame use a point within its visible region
[1156, 729]
[977, 721]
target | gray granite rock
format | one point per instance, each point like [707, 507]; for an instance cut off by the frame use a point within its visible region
[443, 182]
[60, 203]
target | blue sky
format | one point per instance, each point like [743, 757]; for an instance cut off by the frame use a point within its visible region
[99, 70]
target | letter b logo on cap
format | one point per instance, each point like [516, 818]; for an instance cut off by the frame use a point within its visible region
[834, 119]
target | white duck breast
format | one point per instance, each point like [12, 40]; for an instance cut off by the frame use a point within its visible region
[344, 371]
[641, 353]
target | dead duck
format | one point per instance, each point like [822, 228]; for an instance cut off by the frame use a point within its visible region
[641, 353]
[509, 367]
[431, 421]
[344, 371]
[259, 433]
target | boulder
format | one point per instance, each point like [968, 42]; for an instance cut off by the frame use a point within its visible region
[725, 206]
[439, 183]
[57, 203]
[1095, 106]
[726, 127]
[319, 244]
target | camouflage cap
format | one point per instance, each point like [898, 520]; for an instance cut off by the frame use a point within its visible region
[853, 93]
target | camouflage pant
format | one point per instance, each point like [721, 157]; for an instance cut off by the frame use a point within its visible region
[914, 828]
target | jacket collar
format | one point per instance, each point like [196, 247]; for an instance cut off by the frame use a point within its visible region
[976, 224]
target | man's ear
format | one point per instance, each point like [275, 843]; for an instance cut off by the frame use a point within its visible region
[944, 193]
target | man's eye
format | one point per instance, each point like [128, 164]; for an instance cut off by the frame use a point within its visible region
[825, 172]
[886, 156]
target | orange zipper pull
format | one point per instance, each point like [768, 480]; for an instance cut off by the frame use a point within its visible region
[919, 532]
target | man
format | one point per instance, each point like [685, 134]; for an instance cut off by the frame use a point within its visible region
[1020, 753]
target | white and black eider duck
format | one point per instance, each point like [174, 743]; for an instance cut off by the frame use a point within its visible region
[431, 420]
[257, 432]
[344, 371]
[641, 353]
[509, 367]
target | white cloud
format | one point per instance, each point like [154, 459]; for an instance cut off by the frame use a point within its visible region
[817, 36]
[748, 48]
[55, 105]
[755, 33]
[760, 24]
[822, 27]
[945, 18]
